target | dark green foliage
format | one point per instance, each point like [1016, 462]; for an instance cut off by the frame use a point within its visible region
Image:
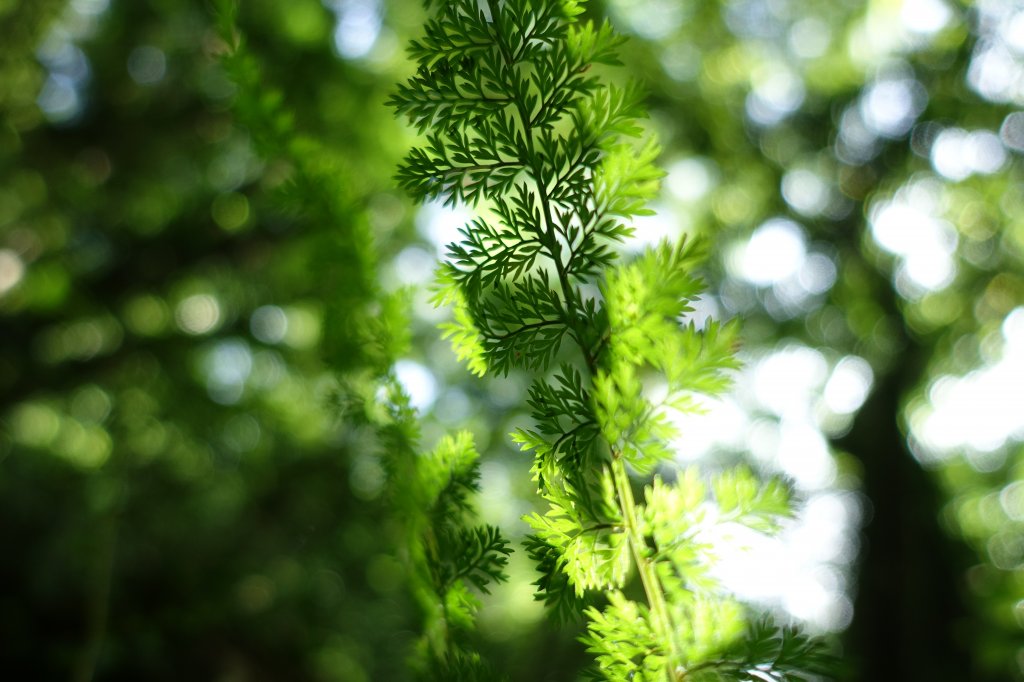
[443, 551]
[175, 530]
[794, 655]
[553, 586]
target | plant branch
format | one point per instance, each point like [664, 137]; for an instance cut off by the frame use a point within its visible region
[627, 506]
[645, 567]
[526, 327]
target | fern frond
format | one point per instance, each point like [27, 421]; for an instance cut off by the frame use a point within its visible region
[522, 125]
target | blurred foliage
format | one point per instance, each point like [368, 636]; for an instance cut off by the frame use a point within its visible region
[188, 273]
[180, 281]
[828, 115]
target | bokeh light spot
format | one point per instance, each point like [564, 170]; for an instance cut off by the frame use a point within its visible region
[269, 324]
[889, 107]
[242, 433]
[849, 385]
[776, 94]
[12, 270]
[804, 456]
[784, 379]
[147, 65]
[358, 26]
[230, 211]
[304, 326]
[227, 367]
[690, 180]
[304, 22]
[87, 447]
[980, 410]
[35, 424]
[1011, 132]
[413, 266]
[90, 7]
[198, 314]
[805, 191]
[1006, 550]
[907, 227]
[440, 224]
[776, 251]
[419, 383]
[146, 315]
[925, 16]
[809, 38]
[651, 19]
[367, 477]
[59, 99]
[91, 404]
[80, 340]
[1012, 499]
[818, 274]
[957, 154]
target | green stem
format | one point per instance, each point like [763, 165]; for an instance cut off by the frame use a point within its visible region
[662, 621]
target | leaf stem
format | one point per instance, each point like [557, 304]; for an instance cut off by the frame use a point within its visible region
[645, 567]
[524, 328]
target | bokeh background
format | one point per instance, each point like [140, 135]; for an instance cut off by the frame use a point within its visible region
[188, 248]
